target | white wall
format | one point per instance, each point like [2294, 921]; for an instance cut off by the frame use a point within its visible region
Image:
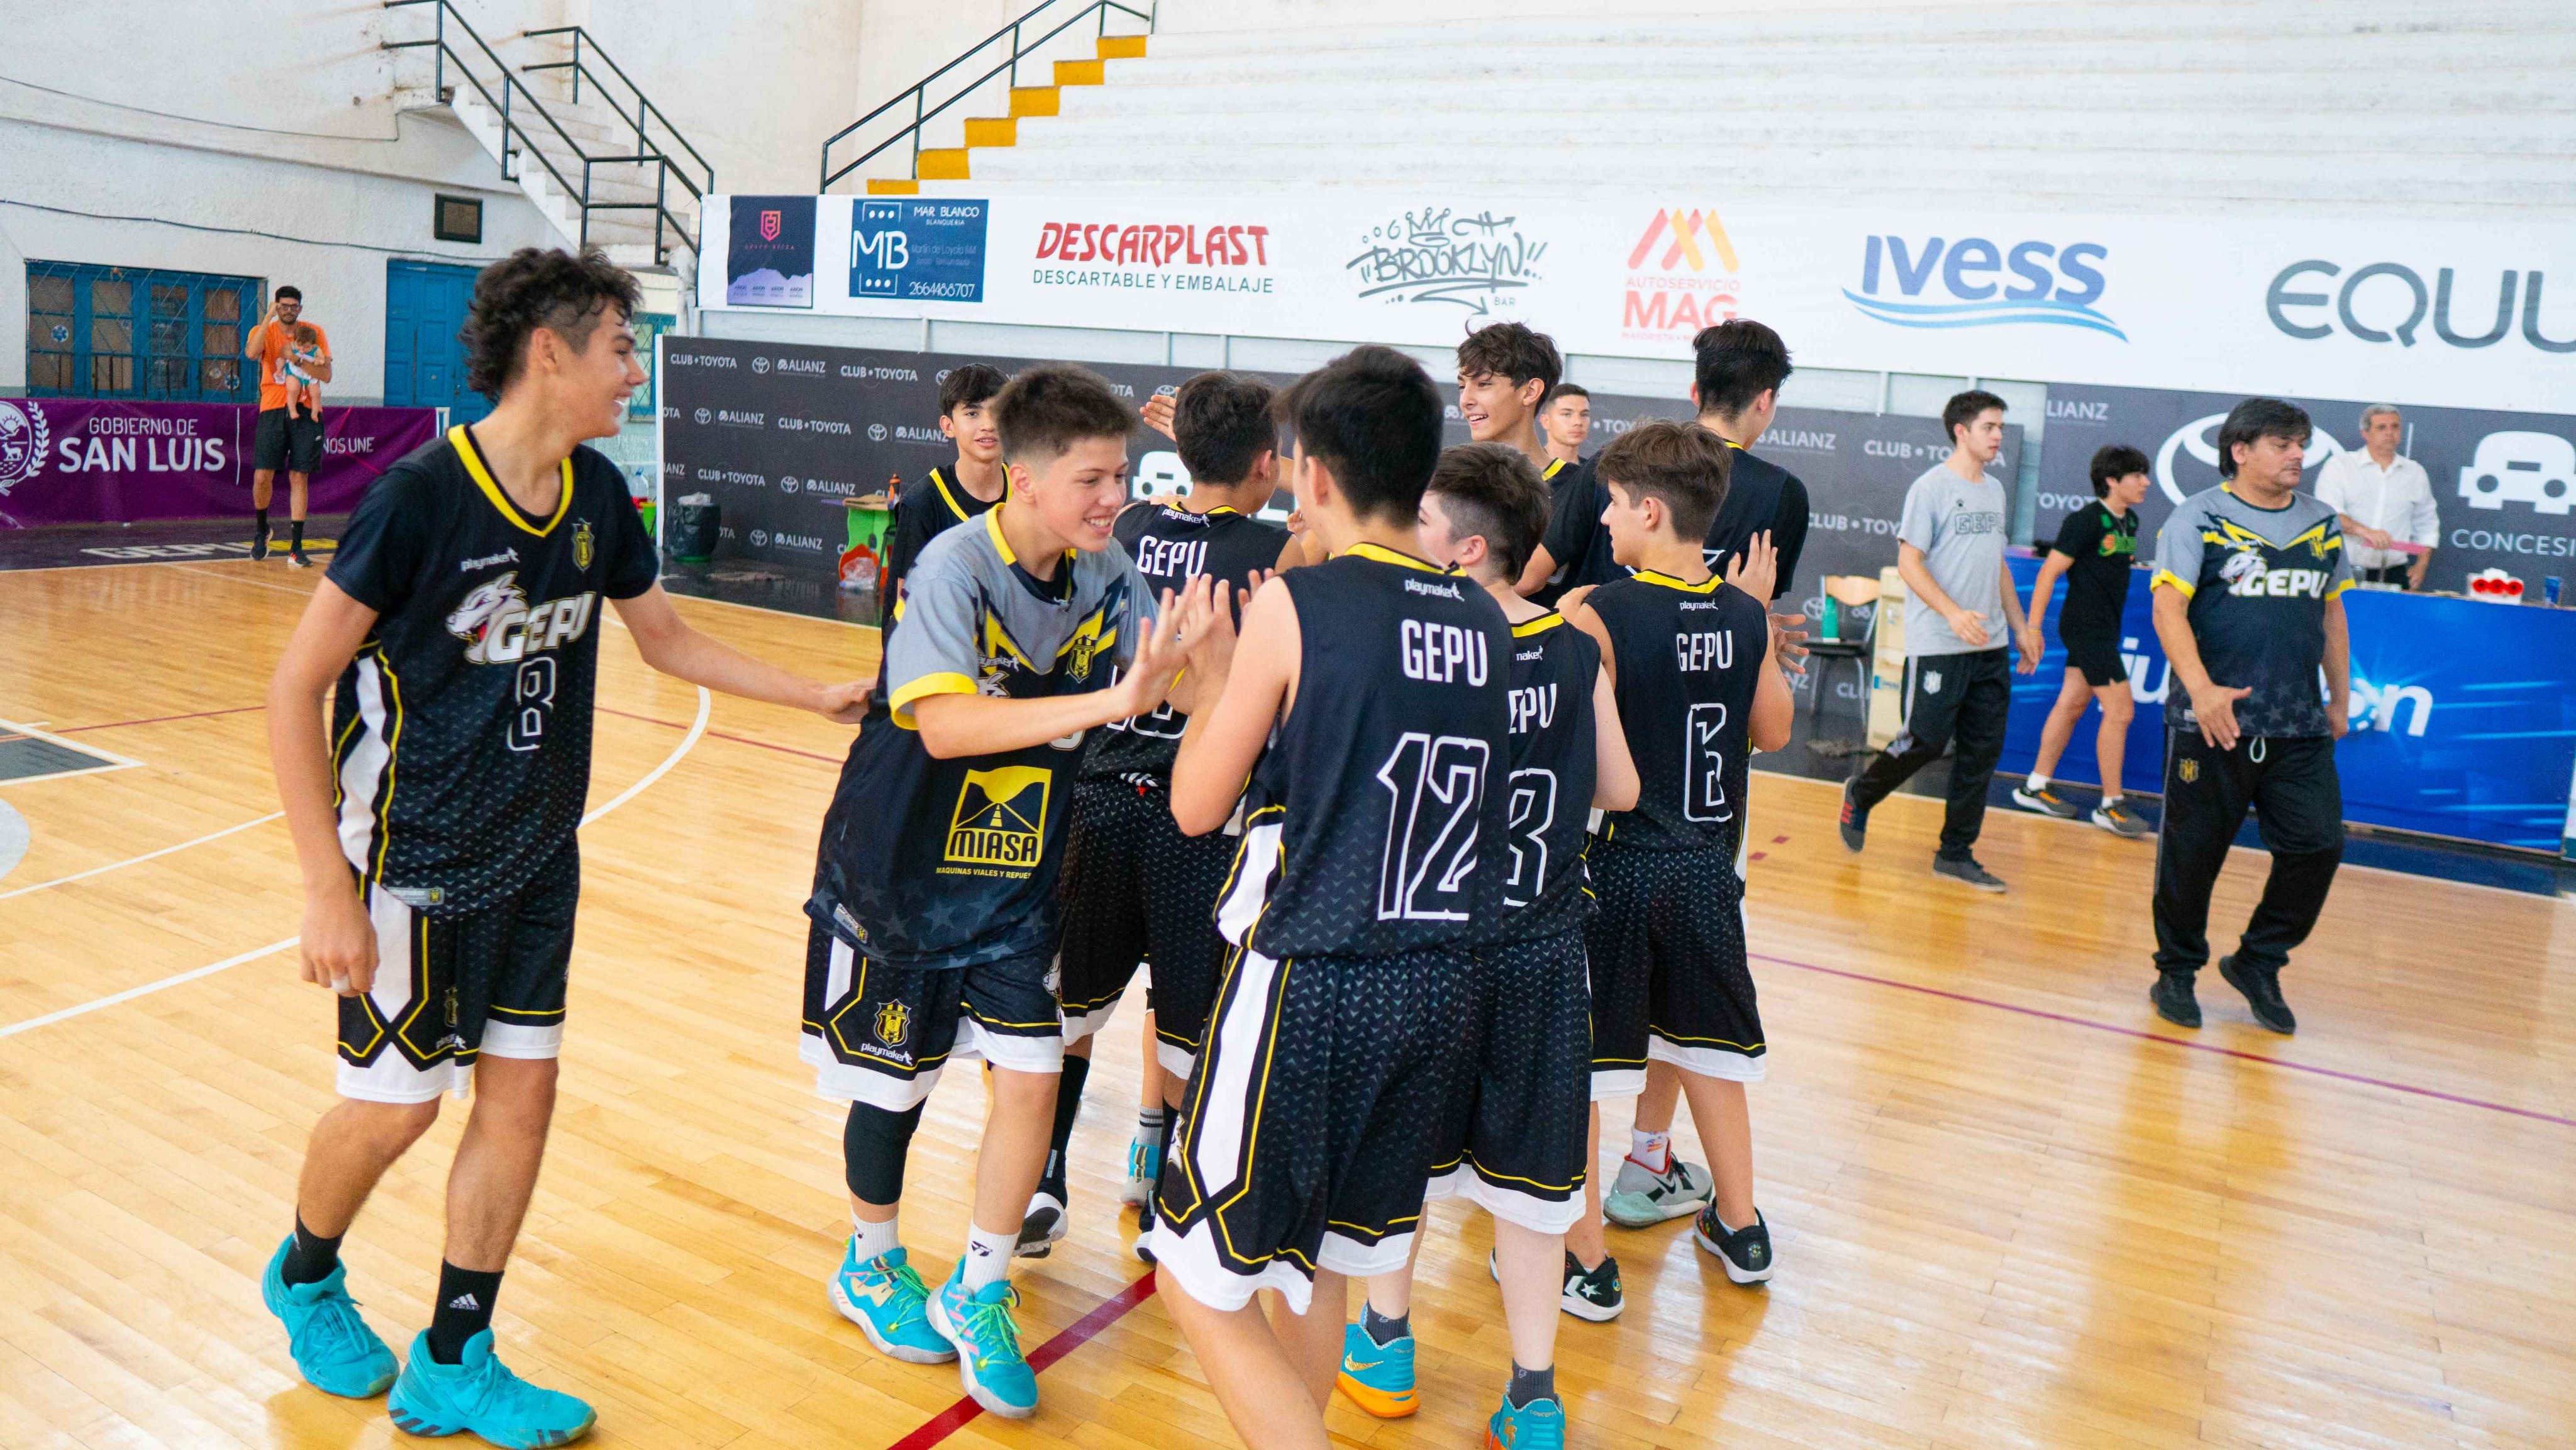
[1184, 17]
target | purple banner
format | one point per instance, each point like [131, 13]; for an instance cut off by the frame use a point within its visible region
[78, 460]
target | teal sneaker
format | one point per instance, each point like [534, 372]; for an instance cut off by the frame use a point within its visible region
[989, 1361]
[479, 1393]
[1538, 1425]
[1144, 1170]
[333, 1347]
[884, 1297]
[1377, 1377]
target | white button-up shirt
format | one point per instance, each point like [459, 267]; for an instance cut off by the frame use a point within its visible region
[2397, 499]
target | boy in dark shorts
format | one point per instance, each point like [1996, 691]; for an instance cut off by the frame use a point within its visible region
[1694, 664]
[460, 621]
[1516, 1140]
[2096, 548]
[933, 928]
[1134, 888]
[954, 493]
[1368, 705]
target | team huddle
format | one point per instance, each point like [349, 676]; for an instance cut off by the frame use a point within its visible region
[1422, 868]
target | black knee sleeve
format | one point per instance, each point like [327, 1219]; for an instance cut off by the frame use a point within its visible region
[874, 1144]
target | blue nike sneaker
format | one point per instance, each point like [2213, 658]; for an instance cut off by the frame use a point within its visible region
[884, 1296]
[989, 1361]
[1377, 1377]
[1538, 1425]
[1144, 1170]
[333, 1347]
[479, 1393]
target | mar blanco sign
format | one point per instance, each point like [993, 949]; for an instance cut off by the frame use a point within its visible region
[2468, 315]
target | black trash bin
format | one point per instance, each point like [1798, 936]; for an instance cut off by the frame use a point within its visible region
[694, 530]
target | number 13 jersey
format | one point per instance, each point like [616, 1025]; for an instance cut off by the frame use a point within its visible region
[1375, 822]
[1687, 658]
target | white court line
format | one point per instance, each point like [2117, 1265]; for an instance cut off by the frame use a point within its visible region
[91, 751]
[698, 728]
[139, 860]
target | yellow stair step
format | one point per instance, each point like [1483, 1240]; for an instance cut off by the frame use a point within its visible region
[943, 163]
[992, 131]
[1034, 100]
[1122, 47]
[1079, 73]
[892, 186]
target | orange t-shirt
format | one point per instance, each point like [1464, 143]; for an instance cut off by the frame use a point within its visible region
[273, 343]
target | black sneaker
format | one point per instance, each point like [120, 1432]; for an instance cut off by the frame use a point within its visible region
[1855, 819]
[2173, 999]
[259, 544]
[296, 558]
[1967, 871]
[1043, 1224]
[2262, 989]
[1145, 1229]
[1745, 1252]
[1592, 1295]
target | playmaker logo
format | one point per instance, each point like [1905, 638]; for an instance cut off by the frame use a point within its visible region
[1965, 283]
[1682, 276]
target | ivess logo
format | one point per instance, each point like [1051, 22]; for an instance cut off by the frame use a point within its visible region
[1000, 817]
[2049, 285]
[1690, 286]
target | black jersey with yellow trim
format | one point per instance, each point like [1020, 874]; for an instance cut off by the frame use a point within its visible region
[1558, 475]
[931, 507]
[461, 730]
[1373, 823]
[1172, 546]
[1555, 760]
[1686, 660]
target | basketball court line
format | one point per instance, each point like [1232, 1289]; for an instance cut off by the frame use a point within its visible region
[706, 706]
[1072, 1337]
[160, 719]
[721, 735]
[113, 760]
[139, 860]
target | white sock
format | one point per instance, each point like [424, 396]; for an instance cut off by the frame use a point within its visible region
[872, 1239]
[1655, 1150]
[988, 1257]
[2109, 801]
[2036, 783]
[1149, 1123]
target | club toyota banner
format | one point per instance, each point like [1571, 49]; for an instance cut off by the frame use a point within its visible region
[2505, 483]
[2452, 314]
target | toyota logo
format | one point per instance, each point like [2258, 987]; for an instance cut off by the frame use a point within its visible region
[787, 483]
[760, 538]
[941, 377]
[760, 364]
[705, 416]
[876, 432]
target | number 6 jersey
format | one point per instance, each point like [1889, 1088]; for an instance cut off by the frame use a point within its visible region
[1375, 822]
[461, 731]
[1686, 659]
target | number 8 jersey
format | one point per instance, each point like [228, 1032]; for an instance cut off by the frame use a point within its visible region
[461, 731]
[1688, 657]
[1375, 822]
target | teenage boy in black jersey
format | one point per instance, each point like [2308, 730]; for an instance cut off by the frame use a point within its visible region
[950, 495]
[459, 620]
[1566, 419]
[1134, 888]
[2095, 549]
[1517, 1140]
[1506, 372]
[1695, 666]
[1368, 705]
[934, 921]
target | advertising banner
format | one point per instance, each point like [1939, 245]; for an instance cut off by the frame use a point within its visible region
[77, 460]
[2505, 482]
[768, 251]
[2450, 314]
[2463, 713]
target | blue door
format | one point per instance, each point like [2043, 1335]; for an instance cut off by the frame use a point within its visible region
[424, 367]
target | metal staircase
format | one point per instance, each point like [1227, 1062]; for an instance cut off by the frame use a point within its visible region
[1005, 53]
[599, 160]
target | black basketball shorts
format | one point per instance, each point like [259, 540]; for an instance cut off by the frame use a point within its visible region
[292, 444]
[1669, 980]
[879, 1034]
[1312, 1122]
[2095, 653]
[451, 989]
[1516, 1136]
[1135, 889]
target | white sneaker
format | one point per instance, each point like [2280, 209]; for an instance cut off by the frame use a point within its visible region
[1640, 1197]
[1041, 1226]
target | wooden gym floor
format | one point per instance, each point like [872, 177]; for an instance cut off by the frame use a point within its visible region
[2011, 1210]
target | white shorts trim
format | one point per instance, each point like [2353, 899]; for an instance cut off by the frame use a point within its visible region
[1538, 1215]
[1619, 1082]
[1079, 1025]
[1706, 1061]
[1192, 1262]
[879, 1088]
[1174, 1061]
[401, 1082]
[522, 1040]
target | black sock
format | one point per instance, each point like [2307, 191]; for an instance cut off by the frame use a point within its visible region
[312, 1258]
[1383, 1331]
[464, 1310]
[1530, 1384]
[1068, 1106]
[259, 523]
[296, 527]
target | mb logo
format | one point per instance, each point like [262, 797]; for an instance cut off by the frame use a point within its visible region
[879, 248]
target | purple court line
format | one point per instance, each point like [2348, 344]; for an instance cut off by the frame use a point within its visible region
[157, 719]
[2145, 1036]
[720, 735]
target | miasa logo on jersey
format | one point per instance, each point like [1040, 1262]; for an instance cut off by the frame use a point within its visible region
[1000, 818]
[502, 629]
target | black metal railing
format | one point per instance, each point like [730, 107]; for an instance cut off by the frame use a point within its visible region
[520, 139]
[1012, 54]
[645, 112]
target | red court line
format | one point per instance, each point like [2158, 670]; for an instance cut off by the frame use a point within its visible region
[2145, 1036]
[157, 719]
[720, 735]
[949, 1421]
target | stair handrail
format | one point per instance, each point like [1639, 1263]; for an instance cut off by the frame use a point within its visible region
[512, 87]
[918, 93]
[644, 106]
